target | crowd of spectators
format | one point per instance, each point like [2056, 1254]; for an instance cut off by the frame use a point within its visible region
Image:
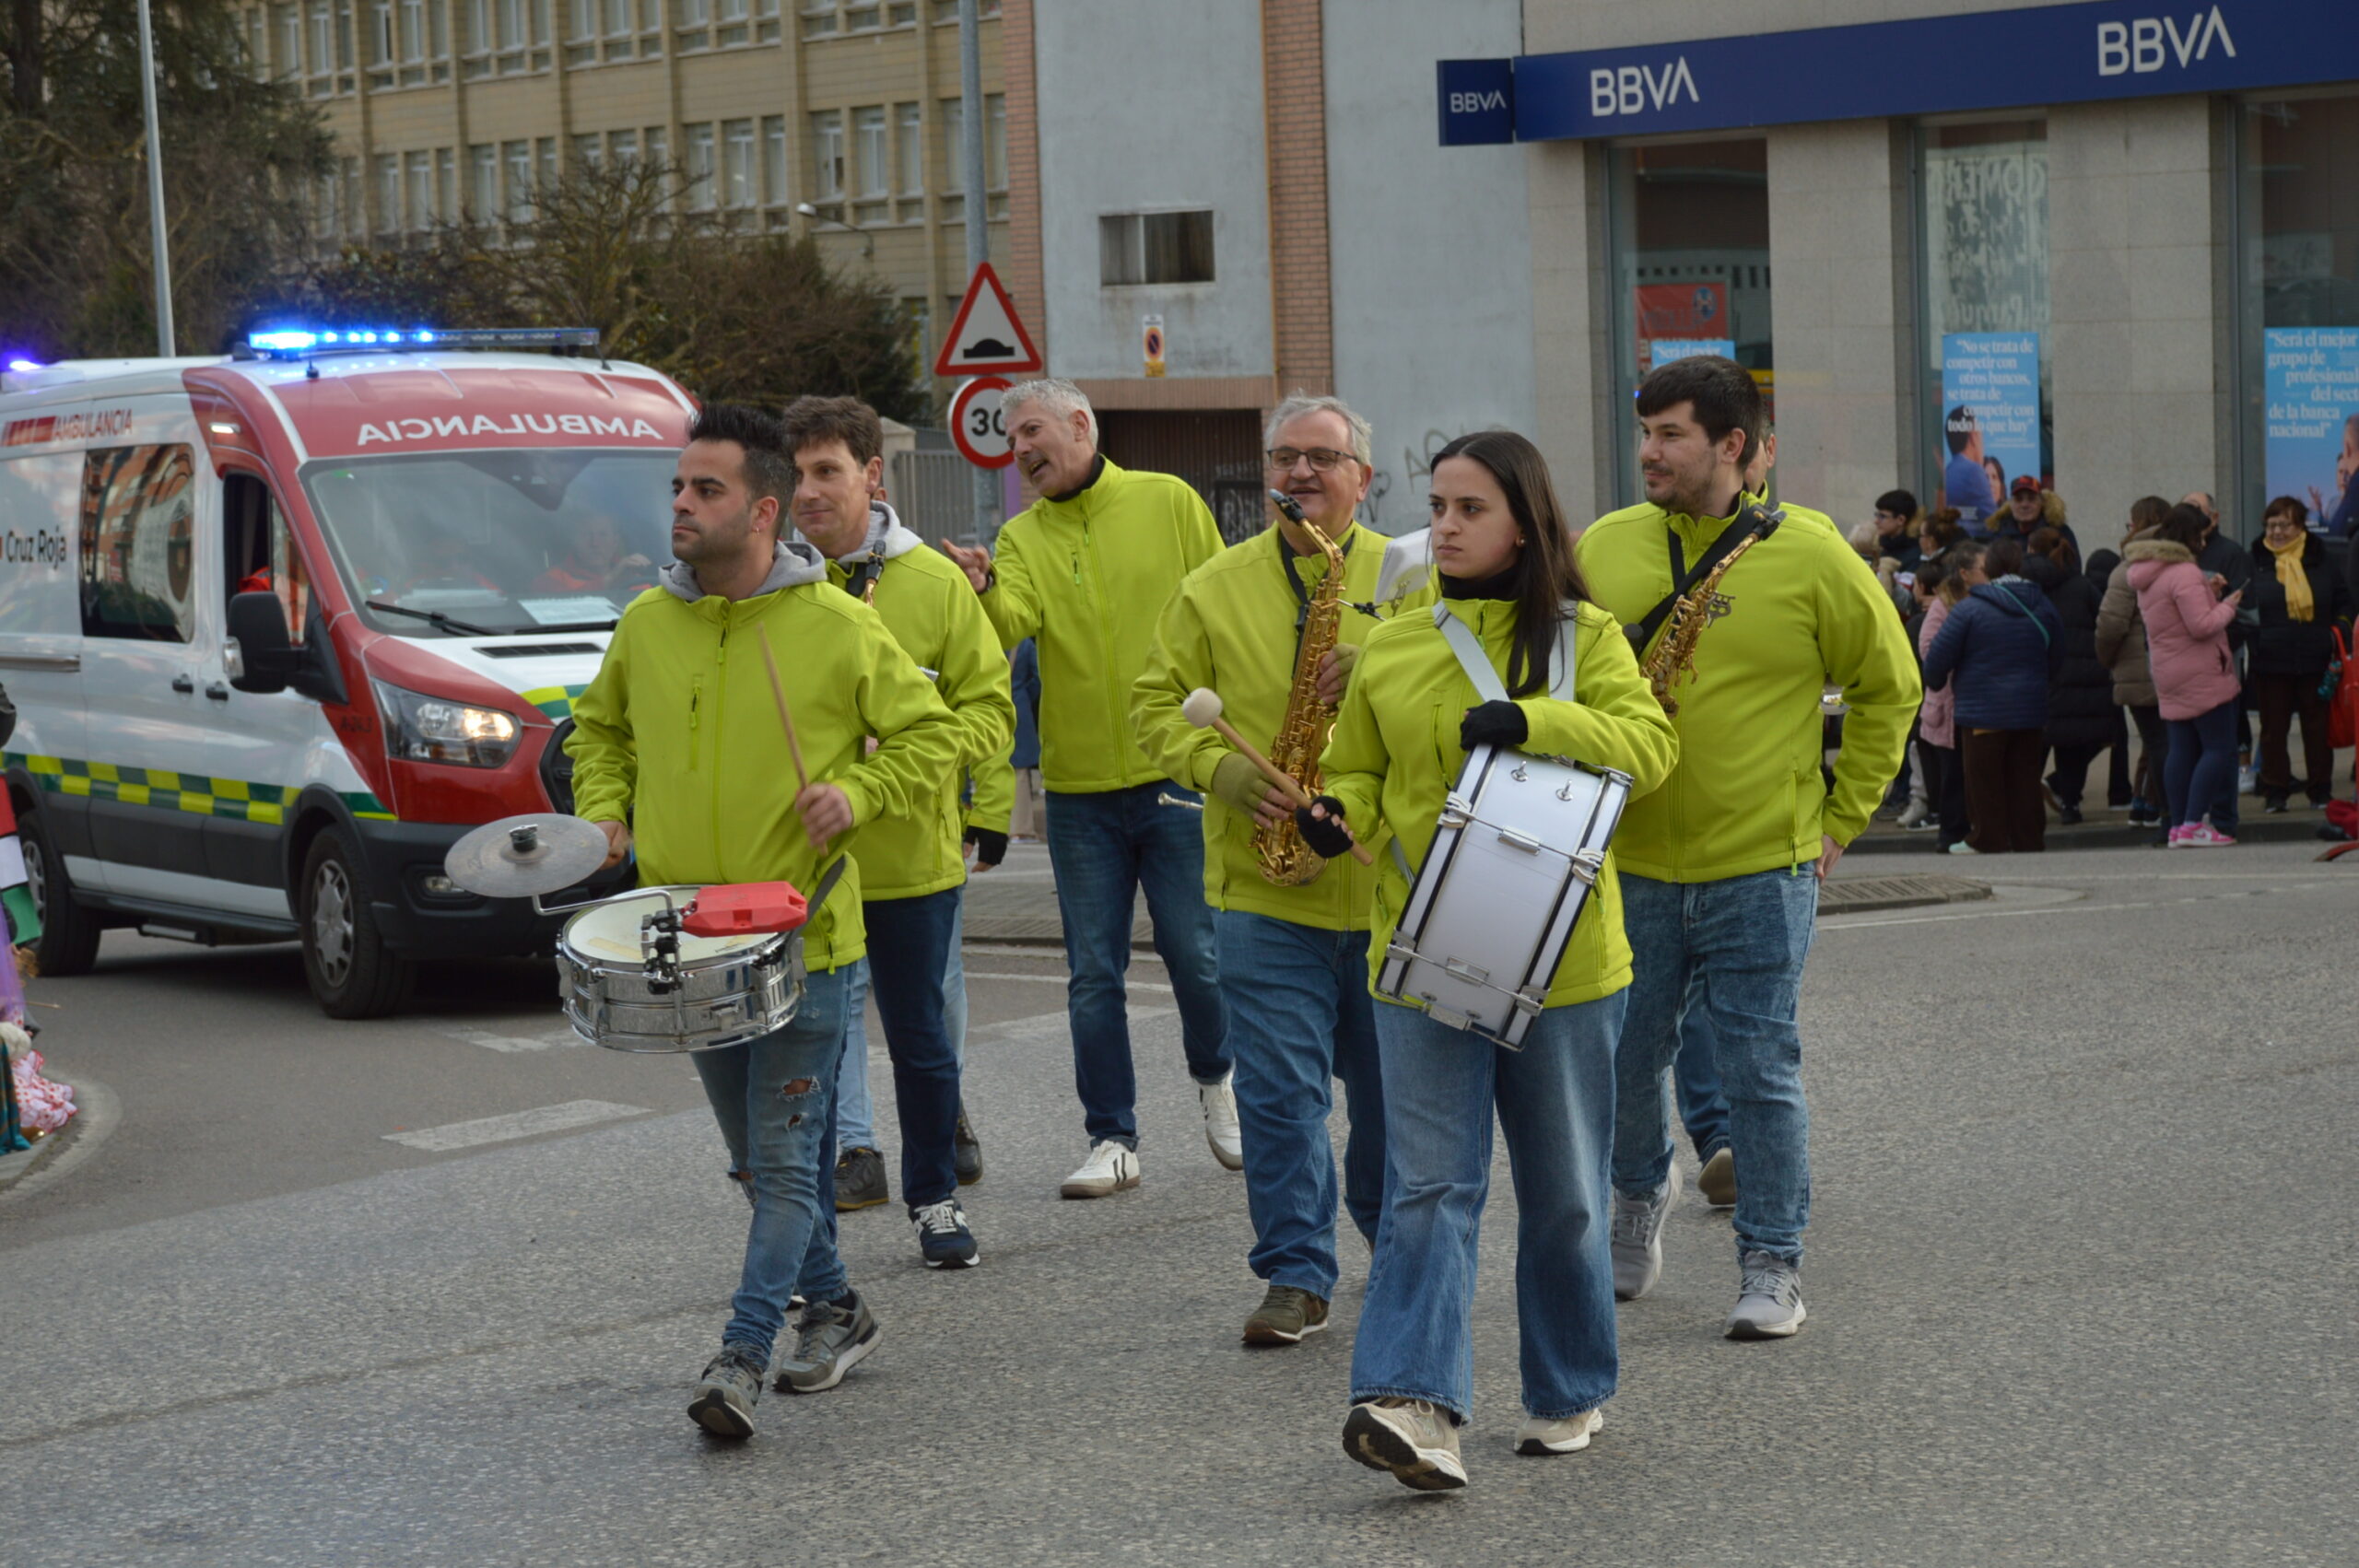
[2163, 656]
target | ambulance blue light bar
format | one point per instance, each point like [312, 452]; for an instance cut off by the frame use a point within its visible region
[296, 343]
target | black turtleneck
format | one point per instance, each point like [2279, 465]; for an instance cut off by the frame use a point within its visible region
[1499, 586]
[1097, 472]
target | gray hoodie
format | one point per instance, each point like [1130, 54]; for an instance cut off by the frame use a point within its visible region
[796, 563]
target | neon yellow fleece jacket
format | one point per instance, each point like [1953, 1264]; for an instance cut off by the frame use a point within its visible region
[1800, 610]
[1087, 578]
[1395, 754]
[1231, 628]
[679, 735]
[931, 610]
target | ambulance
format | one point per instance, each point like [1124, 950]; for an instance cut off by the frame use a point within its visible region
[281, 627]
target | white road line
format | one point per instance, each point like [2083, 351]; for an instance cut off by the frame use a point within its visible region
[1842, 923]
[1047, 952]
[554, 1040]
[1060, 979]
[516, 1124]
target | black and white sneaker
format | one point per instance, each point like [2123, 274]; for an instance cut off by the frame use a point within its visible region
[942, 1235]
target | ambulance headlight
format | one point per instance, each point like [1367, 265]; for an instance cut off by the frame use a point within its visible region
[420, 728]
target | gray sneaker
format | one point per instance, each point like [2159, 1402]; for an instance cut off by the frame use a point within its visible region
[727, 1393]
[1637, 1239]
[1769, 1300]
[1414, 1440]
[831, 1341]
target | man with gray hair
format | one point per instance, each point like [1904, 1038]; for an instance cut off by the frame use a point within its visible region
[1292, 947]
[1084, 571]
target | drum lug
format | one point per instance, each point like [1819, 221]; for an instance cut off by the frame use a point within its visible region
[1458, 969]
[1523, 841]
[1588, 864]
[1456, 811]
[1530, 1000]
[1445, 1017]
[1400, 951]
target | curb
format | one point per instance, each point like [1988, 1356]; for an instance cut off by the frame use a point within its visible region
[97, 1114]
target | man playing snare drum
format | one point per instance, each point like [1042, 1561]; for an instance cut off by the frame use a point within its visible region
[682, 741]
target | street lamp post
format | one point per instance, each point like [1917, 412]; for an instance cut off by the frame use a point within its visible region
[165, 338]
[979, 233]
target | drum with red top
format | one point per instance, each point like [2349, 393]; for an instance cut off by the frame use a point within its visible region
[685, 968]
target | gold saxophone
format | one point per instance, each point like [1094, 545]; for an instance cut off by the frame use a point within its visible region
[1285, 859]
[1672, 658]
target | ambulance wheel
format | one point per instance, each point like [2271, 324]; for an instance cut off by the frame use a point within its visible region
[352, 972]
[69, 933]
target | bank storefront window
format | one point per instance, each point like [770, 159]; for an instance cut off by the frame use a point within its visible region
[2297, 198]
[1690, 268]
[1983, 242]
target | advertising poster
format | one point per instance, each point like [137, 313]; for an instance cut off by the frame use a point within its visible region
[1685, 313]
[2310, 379]
[1989, 416]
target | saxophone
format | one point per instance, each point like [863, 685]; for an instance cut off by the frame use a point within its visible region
[1672, 658]
[1285, 859]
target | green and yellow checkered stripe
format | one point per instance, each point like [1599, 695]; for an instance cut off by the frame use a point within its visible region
[165, 791]
[556, 701]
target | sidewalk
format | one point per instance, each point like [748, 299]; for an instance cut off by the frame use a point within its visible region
[2110, 829]
[1017, 902]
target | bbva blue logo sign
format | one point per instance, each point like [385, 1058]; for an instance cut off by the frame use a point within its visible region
[1477, 101]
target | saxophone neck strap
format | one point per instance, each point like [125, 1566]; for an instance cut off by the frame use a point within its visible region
[1756, 520]
[1302, 594]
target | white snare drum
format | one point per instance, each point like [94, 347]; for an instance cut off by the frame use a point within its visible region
[1521, 843]
[630, 984]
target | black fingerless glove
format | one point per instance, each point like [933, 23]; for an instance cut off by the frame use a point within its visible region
[1493, 724]
[990, 847]
[1326, 835]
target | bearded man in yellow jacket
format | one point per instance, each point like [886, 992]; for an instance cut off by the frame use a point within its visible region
[1720, 867]
[1085, 571]
[677, 747]
[1295, 958]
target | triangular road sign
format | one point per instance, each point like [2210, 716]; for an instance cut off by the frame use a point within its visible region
[985, 338]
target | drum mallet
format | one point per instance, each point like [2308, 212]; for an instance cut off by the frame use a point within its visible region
[1202, 710]
[794, 744]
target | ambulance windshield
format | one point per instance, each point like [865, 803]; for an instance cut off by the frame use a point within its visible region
[492, 544]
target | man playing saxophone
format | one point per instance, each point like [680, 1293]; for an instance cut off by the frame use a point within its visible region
[1272, 626]
[1720, 867]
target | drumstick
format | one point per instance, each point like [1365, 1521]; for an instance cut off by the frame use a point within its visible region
[785, 718]
[1202, 710]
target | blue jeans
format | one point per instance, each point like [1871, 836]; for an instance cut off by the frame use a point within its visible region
[1104, 848]
[1299, 1017]
[1727, 955]
[910, 941]
[1555, 1101]
[2201, 775]
[855, 1111]
[772, 1097]
[1703, 1107]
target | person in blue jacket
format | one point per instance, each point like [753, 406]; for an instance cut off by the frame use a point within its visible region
[2002, 645]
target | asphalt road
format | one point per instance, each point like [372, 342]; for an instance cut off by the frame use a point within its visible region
[2080, 1280]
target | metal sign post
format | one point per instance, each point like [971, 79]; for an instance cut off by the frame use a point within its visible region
[163, 258]
[979, 232]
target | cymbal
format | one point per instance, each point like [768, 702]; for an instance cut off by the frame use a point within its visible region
[524, 857]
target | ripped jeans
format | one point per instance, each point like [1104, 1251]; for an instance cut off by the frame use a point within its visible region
[774, 1099]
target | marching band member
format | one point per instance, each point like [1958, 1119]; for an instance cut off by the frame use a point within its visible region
[912, 863]
[1292, 958]
[1409, 718]
[1723, 864]
[1085, 571]
[682, 745]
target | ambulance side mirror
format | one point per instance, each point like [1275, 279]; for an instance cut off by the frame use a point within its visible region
[268, 661]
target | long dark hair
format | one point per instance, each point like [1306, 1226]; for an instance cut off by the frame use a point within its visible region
[1547, 576]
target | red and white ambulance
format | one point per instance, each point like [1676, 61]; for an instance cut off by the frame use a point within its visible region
[279, 628]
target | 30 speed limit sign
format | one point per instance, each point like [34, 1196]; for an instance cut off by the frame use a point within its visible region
[975, 426]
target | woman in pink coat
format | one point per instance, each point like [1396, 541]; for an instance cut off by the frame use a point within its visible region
[2195, 675]
[1937, 720]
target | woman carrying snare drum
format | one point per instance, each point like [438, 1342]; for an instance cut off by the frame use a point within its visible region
[1407, 722]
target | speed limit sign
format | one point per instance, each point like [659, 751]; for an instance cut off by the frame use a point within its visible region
[975, 426]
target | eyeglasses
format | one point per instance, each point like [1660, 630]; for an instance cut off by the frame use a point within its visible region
[1323, 459]
[2286, 524]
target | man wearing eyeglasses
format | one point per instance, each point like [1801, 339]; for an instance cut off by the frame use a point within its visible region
[1085, 571]
[1293, 959]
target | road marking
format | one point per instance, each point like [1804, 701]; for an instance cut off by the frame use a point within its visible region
[1838, 923]
[1060, 979]
[1047, 952]
[555, 1040]
[516, 1124]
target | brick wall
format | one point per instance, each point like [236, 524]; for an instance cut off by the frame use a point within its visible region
[1295, 110]
[1024, 274]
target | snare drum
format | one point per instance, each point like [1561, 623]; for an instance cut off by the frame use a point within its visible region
[617, 976]
[1521, 843]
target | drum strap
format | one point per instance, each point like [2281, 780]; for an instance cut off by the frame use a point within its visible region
[1487, 684]
[826, 886]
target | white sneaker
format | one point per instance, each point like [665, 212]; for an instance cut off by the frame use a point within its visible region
[1415, 1440]
[1570, 1435]
[1219, 1101]
[1110, 1168]
[1918, 814]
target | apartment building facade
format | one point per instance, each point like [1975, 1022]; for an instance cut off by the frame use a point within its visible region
[839, 119]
